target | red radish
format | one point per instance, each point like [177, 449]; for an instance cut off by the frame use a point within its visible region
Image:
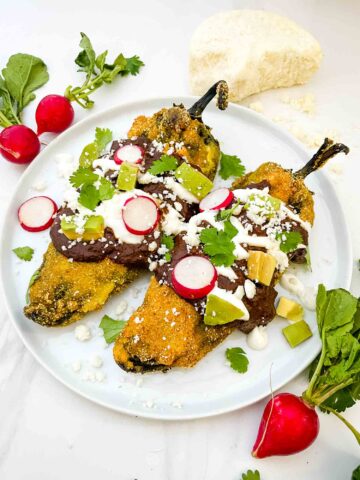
[36, 214]
[217, 199]
[194, 277]
[19, 144]
[54, 114]
[140, 215]
[288, 425]
[129, 154]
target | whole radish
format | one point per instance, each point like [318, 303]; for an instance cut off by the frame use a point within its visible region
[54, 114]
[19, 144]
[288, 425]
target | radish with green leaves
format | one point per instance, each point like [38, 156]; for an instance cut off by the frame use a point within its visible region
[22, 75]
[290, 423]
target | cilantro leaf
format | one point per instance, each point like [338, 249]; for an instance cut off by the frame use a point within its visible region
[165, 163]
[238, 359]
[168, 241]
[89, 197]
[230, 166]
[106, 189]
[83, 176]
[24, 253]
[133, 65]
[356, 474]
[289, 241]
[251, 475]
[218, 244]
[111, 328]
[103, 136]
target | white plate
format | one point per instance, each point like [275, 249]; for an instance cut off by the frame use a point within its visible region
[211, 387]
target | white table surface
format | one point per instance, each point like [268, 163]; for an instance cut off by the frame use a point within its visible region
[46, 431]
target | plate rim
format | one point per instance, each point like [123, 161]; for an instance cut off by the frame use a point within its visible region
[153, 414]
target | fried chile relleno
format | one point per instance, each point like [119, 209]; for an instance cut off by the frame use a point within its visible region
[148, 341]
[58, 296]
[65, 291]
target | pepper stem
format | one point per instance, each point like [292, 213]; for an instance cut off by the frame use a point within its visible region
[327, 150]
[221, 90]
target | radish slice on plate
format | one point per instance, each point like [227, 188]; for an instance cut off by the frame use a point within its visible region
[129, 154]
[36, 214]
[217, 199]
[194, 277]
[140, 215]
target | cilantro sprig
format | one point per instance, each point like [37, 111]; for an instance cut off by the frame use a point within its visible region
[251, 475]
[91, 194]
[165, 163]
[111, 328]
[230, 166]
[24, 253]
[218, 244]
[335, 375]
[238, 359]
[98, 72]
[168, 242]
[289, 241]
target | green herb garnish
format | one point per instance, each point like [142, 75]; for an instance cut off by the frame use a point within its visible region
[289, 241]
[98, 72]
[24, 253]
[218, 244]
[356, 474]
[111, 328]
[251, 475]
[93, 150]
[238, 359]
[226, 214]
[335, 375]
[90, 195]
[22, 75]
[230, 166]
[168, 241]
[164, 164]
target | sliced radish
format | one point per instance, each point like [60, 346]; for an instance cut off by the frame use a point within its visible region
[129, 154]
[194, 277]
[217, 199]
[36, 214]
[140, 215]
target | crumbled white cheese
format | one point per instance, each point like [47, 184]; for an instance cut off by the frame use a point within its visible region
[76, 366]
[82, 333]
[257, 339]
[250, 288]
[96, 361]
[39, 185]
